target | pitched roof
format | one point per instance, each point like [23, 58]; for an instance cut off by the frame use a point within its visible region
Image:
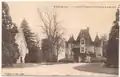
[85, 33]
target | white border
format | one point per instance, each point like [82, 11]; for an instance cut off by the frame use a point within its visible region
[47, 0]
[1, 37]
[66, 0]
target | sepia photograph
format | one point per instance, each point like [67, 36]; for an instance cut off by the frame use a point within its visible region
[60, 38]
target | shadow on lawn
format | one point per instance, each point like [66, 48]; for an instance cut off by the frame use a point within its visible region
[20, 65]
[97, 68]
[26, 65]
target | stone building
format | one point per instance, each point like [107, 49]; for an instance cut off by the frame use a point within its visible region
[83, 46]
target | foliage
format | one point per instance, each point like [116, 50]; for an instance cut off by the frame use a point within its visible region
[91, 54]
[113, 42]
[32, 43]
[10, 51]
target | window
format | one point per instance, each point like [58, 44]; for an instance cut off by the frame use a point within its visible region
[82, 50]
[86, 50]
[82, 42]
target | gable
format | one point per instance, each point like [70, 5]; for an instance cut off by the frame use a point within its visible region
[85, 33]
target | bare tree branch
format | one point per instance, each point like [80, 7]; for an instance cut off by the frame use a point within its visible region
[52, 28]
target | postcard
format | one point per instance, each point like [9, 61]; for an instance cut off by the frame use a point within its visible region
[60, 38]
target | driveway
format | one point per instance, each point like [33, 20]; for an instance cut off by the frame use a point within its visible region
[94, 69]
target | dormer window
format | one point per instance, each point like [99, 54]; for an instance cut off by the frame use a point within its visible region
[82, 41]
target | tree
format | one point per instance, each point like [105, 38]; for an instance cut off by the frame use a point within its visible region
[32, 44]
[46, 45]
[113, 43]
[53, 31]
[10, 51]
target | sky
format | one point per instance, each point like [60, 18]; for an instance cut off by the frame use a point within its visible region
[73, 17]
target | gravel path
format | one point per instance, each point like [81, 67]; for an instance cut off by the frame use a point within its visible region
[94, 69]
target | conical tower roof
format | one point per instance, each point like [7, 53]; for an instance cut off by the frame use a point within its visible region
[71, 39]
[97, 41]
